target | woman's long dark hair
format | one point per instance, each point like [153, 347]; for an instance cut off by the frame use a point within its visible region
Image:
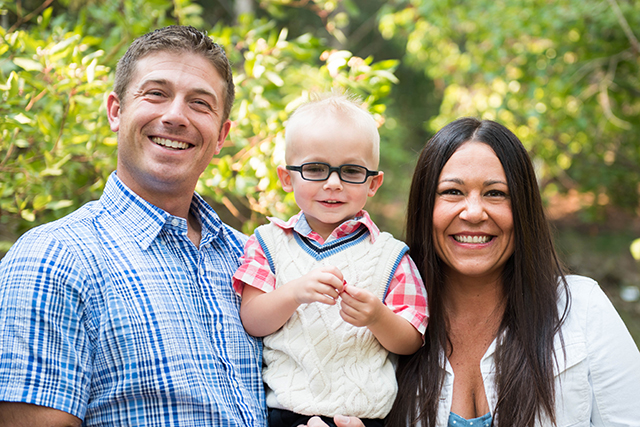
[524, 354]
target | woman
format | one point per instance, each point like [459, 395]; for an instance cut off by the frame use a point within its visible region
[512, 340]
[521, 344]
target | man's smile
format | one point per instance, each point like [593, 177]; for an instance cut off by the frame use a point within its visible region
[176, 145]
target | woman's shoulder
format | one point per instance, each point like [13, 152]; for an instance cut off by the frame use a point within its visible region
[580, 283]
[588, 305]
[581, 292]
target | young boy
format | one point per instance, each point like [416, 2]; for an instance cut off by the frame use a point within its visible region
[316, 283]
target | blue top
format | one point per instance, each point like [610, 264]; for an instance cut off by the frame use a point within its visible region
[456, 420]
[113, 315]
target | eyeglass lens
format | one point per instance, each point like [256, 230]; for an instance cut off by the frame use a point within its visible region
[348, 173]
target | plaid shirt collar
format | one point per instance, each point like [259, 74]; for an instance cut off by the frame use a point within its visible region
[145, 221]
[300, 225]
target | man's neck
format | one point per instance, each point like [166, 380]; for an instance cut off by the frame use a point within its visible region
[194, 230]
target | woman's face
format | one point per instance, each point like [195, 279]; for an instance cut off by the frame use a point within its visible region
[472, 219]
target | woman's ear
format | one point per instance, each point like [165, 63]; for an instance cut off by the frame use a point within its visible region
[375, 183]
[285, 178]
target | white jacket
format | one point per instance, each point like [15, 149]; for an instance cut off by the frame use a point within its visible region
[599, 382]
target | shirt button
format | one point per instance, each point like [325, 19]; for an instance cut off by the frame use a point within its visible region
[219, 327]
[175, 222]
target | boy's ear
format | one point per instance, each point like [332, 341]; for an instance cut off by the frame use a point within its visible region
[285, 178]
[375, 183]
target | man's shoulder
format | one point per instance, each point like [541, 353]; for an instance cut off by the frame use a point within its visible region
[74, 232]
[75, 222]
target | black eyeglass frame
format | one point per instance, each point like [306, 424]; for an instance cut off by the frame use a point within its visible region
[333, 169]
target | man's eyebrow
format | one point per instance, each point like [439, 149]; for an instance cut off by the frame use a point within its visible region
[162, 82]
[206, 92]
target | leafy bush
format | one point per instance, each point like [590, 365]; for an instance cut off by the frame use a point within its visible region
[57, 150]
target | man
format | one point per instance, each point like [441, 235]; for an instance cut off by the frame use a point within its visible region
[122, 313]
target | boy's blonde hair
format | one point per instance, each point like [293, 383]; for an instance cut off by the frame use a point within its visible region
[336, 106]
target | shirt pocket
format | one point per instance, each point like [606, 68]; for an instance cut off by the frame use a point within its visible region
[573, 391]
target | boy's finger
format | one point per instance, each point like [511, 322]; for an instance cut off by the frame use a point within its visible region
[333, 270]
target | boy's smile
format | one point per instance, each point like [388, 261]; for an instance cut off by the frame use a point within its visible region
[336, 141]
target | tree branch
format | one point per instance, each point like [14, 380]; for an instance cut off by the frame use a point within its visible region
[625, 26]
[20, 20]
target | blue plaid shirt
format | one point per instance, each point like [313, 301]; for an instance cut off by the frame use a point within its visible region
[112, 314]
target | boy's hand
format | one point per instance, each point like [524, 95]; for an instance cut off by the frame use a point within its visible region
[323, 284]
[360, 307]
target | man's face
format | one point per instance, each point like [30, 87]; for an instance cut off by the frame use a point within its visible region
[169, 125]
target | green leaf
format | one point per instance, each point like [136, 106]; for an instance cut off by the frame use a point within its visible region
[635, 249]
[28, 215]
[28, 64]
[40, 201]
[59, 204]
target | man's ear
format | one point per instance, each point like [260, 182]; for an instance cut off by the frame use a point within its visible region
[375, 183]
[113, 111]
[224, 131]
[285, 178]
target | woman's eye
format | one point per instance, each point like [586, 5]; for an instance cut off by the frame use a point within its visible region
[451, 192]
[496, 193]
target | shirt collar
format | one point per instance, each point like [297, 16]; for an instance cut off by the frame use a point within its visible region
[144, 221]
[300, 225]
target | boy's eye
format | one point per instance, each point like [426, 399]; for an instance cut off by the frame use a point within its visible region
[352, 170]
[353, 173]
[315, 168]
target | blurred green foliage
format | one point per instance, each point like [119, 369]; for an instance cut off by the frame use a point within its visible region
[564, 75]
[56, 148]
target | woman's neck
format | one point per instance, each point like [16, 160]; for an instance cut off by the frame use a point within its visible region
[475, 296]
[474, 309]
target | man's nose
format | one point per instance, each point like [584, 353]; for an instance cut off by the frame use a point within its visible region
[175, 114]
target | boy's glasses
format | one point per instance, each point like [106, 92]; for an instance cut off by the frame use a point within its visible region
[353, 174]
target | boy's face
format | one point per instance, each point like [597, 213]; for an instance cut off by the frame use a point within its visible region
[327, 204]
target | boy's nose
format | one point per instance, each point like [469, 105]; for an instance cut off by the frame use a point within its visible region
[333, 181]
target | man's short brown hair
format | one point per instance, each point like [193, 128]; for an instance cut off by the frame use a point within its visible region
[176, 39]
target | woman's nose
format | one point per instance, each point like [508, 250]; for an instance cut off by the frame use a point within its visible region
[474, 210]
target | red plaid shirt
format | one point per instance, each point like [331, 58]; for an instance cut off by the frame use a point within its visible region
[406, 297]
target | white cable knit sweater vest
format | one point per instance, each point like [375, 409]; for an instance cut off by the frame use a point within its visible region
[318, 364]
